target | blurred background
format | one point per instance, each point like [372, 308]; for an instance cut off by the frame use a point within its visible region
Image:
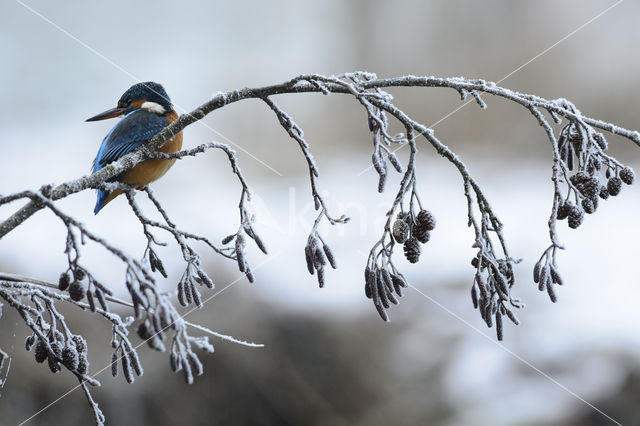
[328, 358]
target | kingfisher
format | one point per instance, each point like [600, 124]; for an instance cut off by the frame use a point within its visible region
[145, 109]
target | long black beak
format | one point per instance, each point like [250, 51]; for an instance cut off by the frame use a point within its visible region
[110, 113]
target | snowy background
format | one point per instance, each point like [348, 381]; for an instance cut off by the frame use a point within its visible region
[328, 358]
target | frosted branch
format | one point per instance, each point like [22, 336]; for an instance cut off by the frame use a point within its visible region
[583, 175]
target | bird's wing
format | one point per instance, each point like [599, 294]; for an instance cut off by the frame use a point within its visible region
[130, 132]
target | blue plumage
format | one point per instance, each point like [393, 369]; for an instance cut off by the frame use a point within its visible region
[149, 91]
[102, 199]
[147, 110]
[129, 133]
[105, 142]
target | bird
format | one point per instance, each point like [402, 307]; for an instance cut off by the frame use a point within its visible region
[145, 109]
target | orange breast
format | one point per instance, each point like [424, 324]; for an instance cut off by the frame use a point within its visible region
[153, 169]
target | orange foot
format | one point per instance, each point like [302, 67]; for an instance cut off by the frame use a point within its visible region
[140, 188]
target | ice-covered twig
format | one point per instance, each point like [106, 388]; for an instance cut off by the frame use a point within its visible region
[582, 172]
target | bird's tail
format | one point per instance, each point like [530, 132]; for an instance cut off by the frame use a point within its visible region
[104, 198]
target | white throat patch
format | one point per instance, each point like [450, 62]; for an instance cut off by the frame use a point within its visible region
[153, 107]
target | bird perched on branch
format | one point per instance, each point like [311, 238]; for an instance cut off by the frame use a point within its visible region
[145, 110]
